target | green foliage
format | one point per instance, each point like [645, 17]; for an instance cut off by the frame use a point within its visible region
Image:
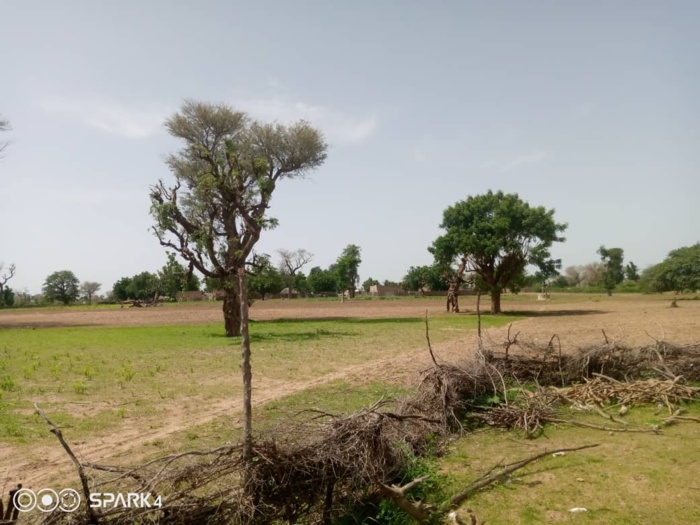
[174, 278]
[679, 272]
[346, 268]
[8, 297]
[265, 278]
[432, 278]
[496, 236]
[142, 286]
[226, 173]
[631, 272]
[322, 281]
[613, 272]
[61, 286]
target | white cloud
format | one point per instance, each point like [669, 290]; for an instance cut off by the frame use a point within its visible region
[518, 162]
[337, 126]
[108, 116]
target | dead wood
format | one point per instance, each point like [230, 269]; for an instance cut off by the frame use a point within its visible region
[92, 516]
[491, 477]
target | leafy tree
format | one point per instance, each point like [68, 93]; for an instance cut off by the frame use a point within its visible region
[322, 281]
[5, 277]
[266, 279]
[613, 272]
[301, 283]
[88, 289]
[61, 286]
[215, 213]
[140, 287]
[291, 262]
[547, 272]
[495, 236]
[679, 272]
[174, 278]
[368, 284]
[346, 268]
[7, 298]
[631, 272]
[419, 278]
[225, 176]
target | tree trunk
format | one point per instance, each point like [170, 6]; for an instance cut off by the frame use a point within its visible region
[232, 311]
[246, 368]
[609, 293]
[351, 292]
[495, 301]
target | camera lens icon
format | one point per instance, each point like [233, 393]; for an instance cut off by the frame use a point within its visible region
[24, 500]
[47, 500]
[69, 500]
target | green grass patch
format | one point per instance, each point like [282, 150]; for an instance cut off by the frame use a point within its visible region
[630, 478]
[93, 378]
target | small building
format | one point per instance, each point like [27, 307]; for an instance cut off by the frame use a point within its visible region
[183, 297]
[285, 293]
[378, 290]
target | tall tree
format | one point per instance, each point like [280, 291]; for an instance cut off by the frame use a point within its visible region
[6, 276]
[225, 176]
[291, 262]
[61, 286]
[347, 269]
[613, 272]
[88, 289]
[213, 216]
[495, 236]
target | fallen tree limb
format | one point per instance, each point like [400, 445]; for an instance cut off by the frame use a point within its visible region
[92, 517]
[483, 482]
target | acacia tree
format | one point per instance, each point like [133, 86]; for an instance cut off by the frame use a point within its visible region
[495, 236]
[225, 176]
[613, 272]
[61, 286]
[291, 262]
[88, 289]
[346, 268]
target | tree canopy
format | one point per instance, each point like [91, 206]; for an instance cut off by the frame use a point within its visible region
[173, 278]
[495, 236]
[679, 272]
[613, 272]
[421, 278]
[347, 268]
[61, 286]
[225, 175]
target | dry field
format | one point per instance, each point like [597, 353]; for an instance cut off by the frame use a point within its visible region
[577, 319]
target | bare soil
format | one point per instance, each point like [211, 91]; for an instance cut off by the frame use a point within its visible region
[577, 321]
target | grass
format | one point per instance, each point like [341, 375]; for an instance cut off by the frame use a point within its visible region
[90, 379]
[631, 478]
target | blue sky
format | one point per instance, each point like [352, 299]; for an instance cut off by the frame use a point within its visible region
[590, 108]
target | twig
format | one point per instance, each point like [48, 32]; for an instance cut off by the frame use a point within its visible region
[654, 429]
[457, 499]
[92, 517]
[427, 338]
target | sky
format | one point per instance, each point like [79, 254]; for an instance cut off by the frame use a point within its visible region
[587, 107]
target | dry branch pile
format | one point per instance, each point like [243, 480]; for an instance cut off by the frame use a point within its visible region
[313, 469]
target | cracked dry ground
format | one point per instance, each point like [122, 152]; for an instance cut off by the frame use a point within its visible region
[577, 320]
